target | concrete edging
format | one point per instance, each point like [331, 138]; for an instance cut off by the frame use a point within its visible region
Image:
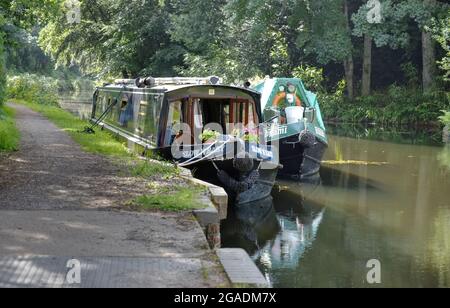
[216, 206]
[216, 210]
[240, 269]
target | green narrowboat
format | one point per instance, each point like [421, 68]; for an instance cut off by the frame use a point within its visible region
[296, 126]
[196, 122]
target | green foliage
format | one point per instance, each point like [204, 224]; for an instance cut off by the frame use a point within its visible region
[312, 77]
[445, 119]
[175, 199]
[9, 135]
[33, 88]
[115, 38]
[209, 135]
[397, 106]
[441, 32]
[43, 89]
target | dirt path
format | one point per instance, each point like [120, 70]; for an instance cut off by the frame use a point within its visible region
[58, 201]
[52, 172]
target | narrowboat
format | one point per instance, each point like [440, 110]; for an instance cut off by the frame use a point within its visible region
[198, 123]
[296, 126]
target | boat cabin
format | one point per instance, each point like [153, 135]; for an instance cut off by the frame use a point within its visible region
[155, 112]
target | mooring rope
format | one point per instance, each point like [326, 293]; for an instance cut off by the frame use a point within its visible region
[200, 157]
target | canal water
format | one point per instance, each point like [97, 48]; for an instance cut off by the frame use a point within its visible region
[382, 195]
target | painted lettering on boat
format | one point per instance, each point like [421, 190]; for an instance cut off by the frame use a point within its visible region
[276, 130]
[262, 152]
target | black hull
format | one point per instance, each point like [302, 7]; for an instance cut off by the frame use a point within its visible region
[299, 163]
[205, 171]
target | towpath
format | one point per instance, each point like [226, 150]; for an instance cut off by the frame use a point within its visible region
[59, 204]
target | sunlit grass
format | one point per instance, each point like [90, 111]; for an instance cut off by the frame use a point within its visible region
[167, 197]
[148, 169]
[178, 199]
[9, 134]
[102, 142]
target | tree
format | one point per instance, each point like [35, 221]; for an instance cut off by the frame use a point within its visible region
[393, 30]
[428, 53]
[127, 38]
[440, 29]
[349, 67]
[367, 66]
[2, 63]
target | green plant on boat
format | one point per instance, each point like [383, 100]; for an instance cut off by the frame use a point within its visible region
[248, 135]
[9, 134]
[209, 135]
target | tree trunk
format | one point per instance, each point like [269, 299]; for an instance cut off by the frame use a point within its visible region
[349, 69]
[367, 66]
[348, 63]
[428, 57]
[429, 61]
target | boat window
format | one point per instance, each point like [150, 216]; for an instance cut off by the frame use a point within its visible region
[244, 112]
[143, 106]
[174, 120]
[198, 115]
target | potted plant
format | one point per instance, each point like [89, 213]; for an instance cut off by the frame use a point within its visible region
[209, 136]
[248, 135]
[445, 119]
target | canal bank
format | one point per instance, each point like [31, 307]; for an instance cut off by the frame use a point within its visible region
[59, 201]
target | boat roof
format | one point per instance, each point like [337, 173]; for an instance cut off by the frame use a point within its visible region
[174, 87]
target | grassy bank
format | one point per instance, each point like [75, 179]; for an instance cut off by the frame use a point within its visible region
[169, 191]
[9, 134]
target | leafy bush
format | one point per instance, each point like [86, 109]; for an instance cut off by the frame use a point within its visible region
[312, 77]
[445, 119]
[45, 90]
[398, 105]
[33, 88]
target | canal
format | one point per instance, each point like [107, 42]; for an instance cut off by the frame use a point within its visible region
[382, 195]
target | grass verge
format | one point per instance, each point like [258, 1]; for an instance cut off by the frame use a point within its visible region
[101, 142]
[178, 199]
[167, 195]
[9, 134]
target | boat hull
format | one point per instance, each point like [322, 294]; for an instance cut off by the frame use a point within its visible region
[300, 163]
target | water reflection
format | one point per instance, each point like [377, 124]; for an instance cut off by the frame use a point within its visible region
[397, 212]
[79, 104]
[444, 157]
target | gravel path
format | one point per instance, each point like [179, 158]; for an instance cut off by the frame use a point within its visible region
[58, 201]
[52, 172]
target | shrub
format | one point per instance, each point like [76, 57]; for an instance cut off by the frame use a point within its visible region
[397, 105]
[33, 88]
[445, 119]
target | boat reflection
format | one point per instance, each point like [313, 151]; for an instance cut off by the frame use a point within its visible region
[251, 225]
[278, 231]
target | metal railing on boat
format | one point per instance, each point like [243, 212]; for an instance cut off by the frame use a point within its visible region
[150, 81]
